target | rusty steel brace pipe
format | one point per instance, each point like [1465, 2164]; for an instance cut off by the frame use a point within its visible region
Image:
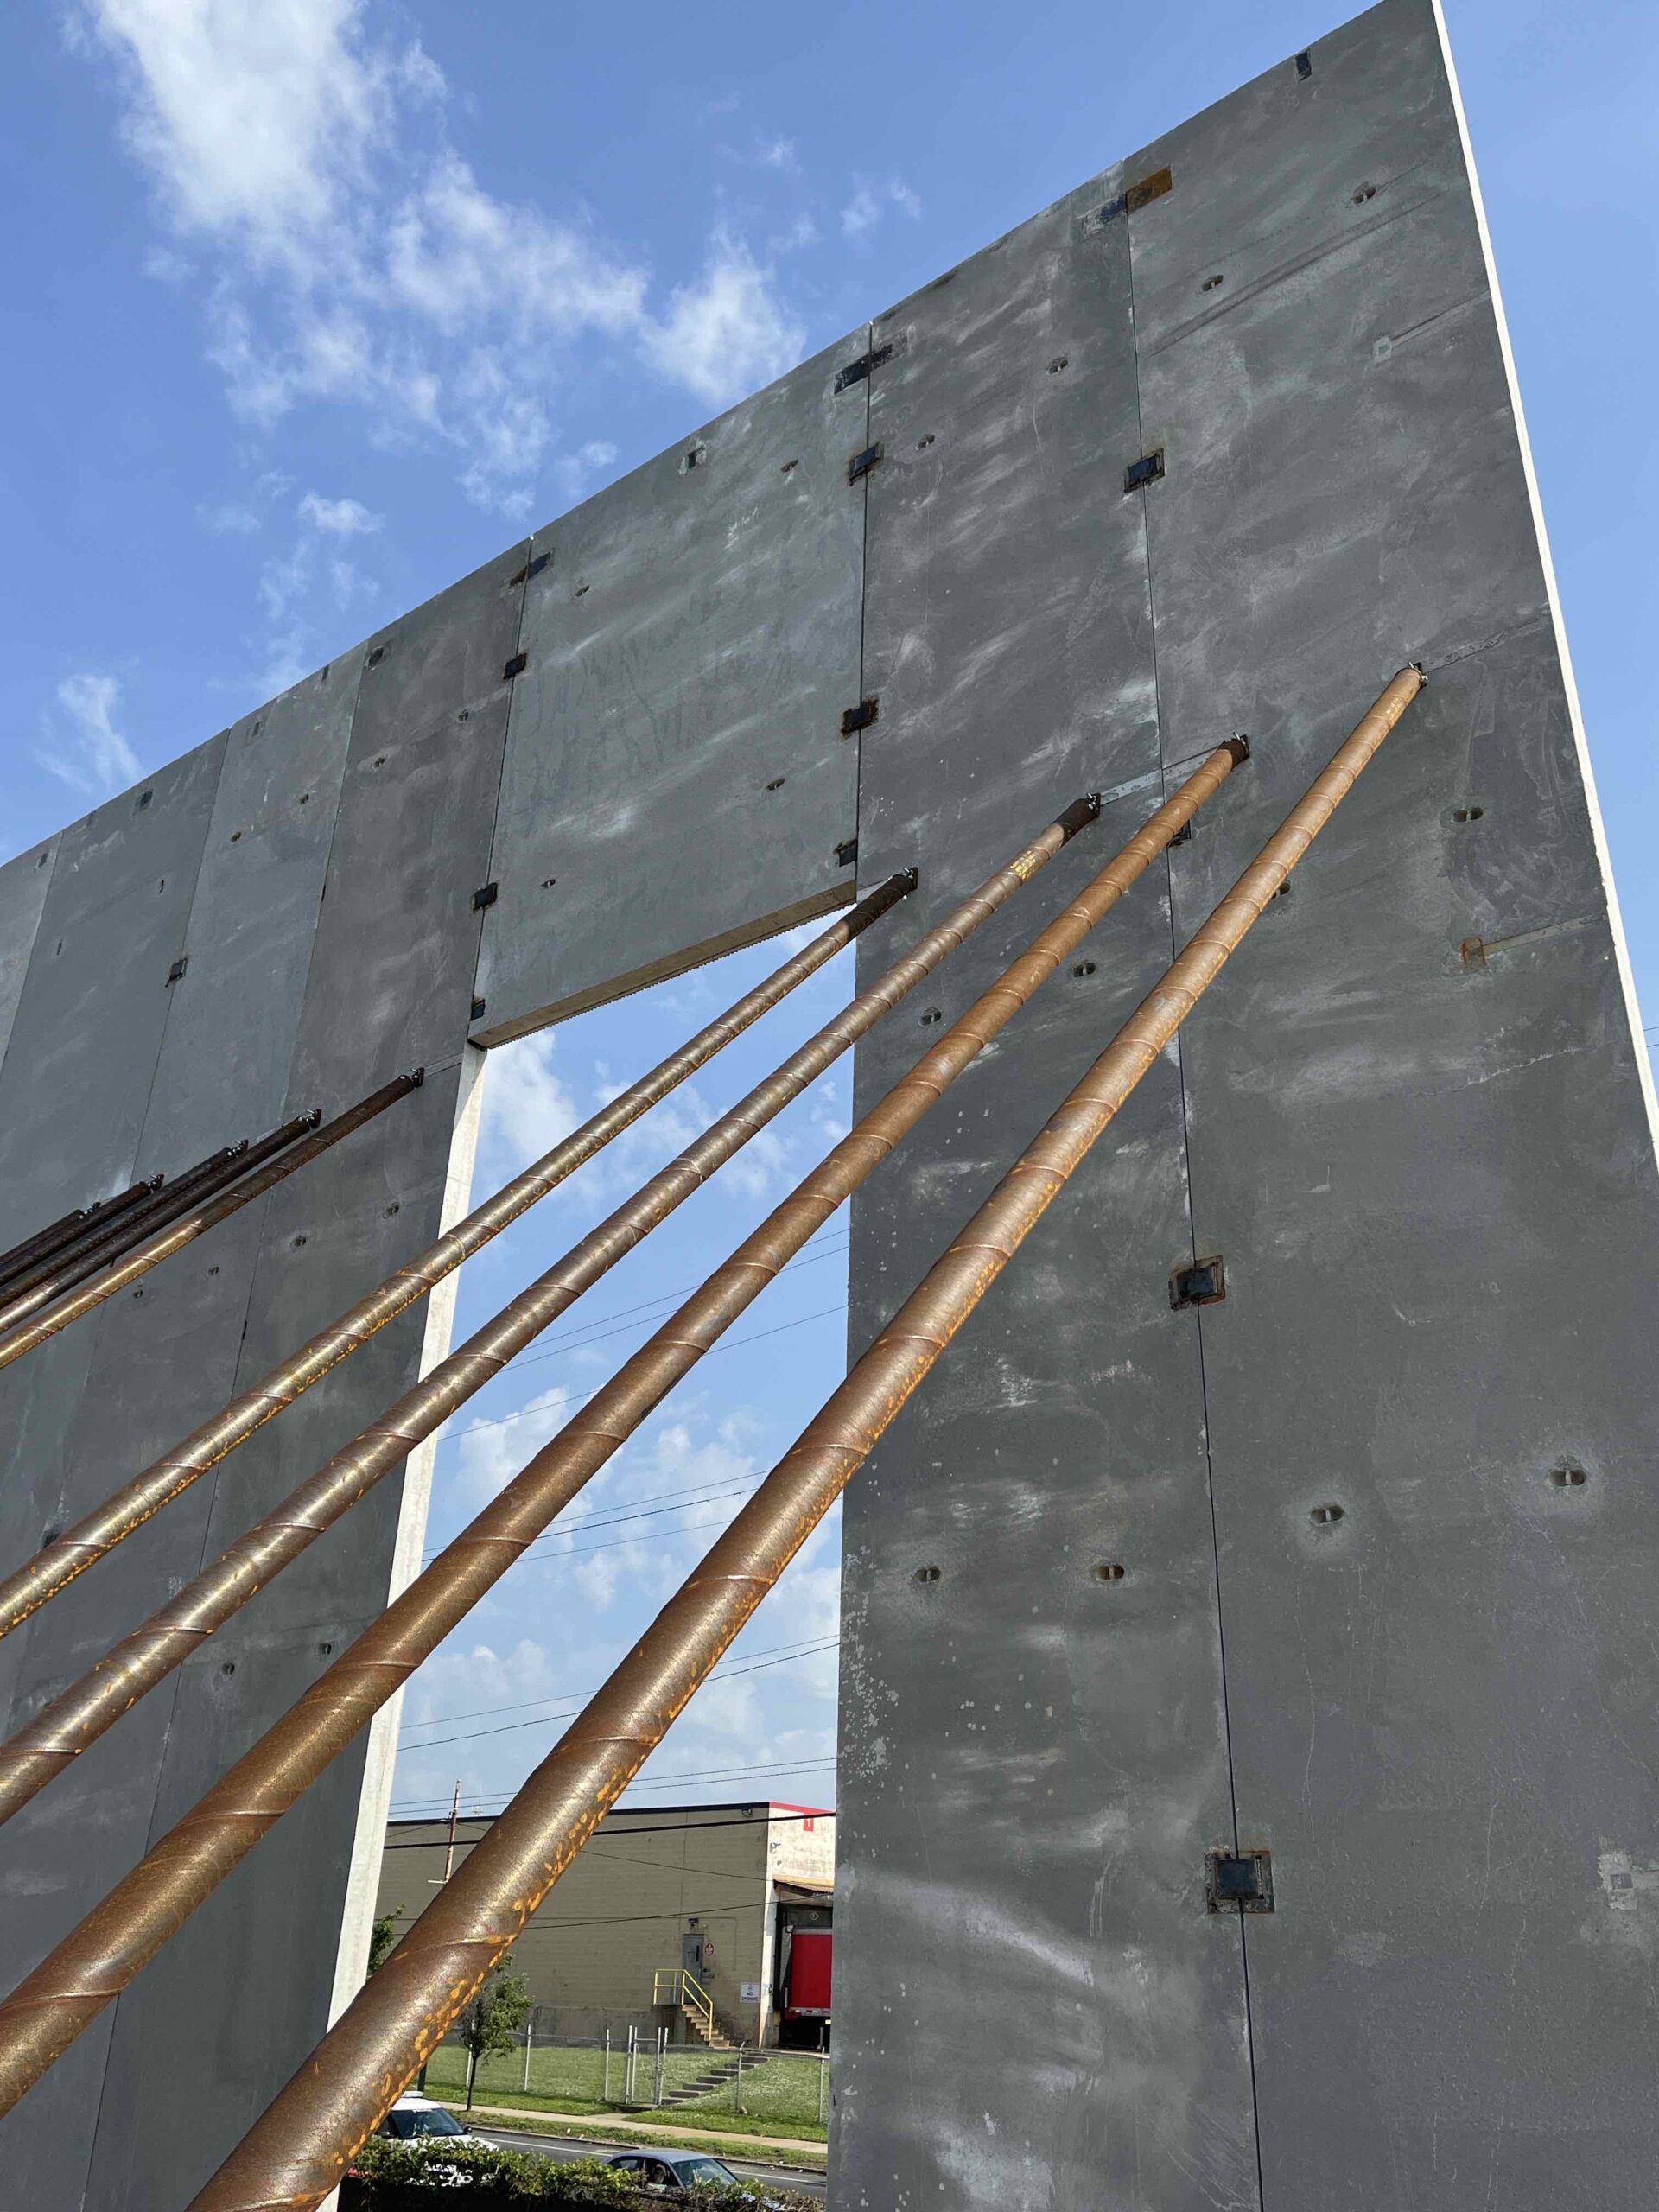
[166, 1204]
[197, 1221]
[78, 1716]
[80, 1546]
[49, 1277]
[49, 2009]
[73, 1229]
[294, 2155]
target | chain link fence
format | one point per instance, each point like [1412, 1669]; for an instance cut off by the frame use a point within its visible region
[633, 2068]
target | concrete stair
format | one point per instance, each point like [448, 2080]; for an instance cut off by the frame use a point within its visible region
[719, 2075]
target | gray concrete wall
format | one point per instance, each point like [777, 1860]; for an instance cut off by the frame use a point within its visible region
[1425, 1176]
[677, 780]
[1431, 1176]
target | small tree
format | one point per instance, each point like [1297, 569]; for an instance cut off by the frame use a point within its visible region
[382, 1937]
[501, 2007]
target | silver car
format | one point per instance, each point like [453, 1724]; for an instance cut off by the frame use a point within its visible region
[677, 2173]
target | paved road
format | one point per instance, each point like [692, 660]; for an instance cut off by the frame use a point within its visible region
[567, 2148]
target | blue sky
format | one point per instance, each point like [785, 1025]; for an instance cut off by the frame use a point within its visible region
[314, 305]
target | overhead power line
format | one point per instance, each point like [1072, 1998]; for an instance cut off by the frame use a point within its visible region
[682, 1780]
[511, 1727]
[774, 1819]
[730, 1344]
[768, 1651]
[643, 1509]
[592, 1332]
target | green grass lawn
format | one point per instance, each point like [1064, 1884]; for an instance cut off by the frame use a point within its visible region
[778, 2095]
[725, 2143]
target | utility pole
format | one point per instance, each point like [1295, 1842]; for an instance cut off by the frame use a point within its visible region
[437, 1881]
[455, 1815]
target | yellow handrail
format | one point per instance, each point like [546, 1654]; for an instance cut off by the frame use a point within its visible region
[674, 1986]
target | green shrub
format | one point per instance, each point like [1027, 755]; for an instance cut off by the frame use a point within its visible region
[507, 2177]
[386, 2176]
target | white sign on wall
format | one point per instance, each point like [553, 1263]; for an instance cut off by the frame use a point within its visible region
[749, 1992]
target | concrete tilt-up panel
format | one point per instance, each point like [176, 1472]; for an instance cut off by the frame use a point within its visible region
[1355, 1566]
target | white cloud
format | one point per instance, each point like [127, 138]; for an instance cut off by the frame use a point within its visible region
[582, 1596]
[338, 517]
[863, 213]
[99, 758]
[253, 116]
[458, 256]
[289, 580]
[760, 1168]
[867, 205]
[285, 580]
[165, 264]
[801, 233]
[528, 1106]
[343, 243]
[454, 1680]
[576, 472]
[730, 1706]
[232, 519]
[493, 1452]
[506, 432]
[727, 333]
[676, 1459]
[777, 153]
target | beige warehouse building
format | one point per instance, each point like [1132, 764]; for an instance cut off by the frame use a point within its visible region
[669, 1913]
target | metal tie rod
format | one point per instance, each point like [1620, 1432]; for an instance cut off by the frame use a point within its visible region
[65, 1994]
[294, 2155]
[71, 1229]
[57, 1563]
[204, 1214]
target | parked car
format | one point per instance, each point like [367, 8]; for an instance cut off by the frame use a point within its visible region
[674, 2174]
[413, 2119]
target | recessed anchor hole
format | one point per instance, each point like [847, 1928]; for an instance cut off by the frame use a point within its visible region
[1325, 1516]
[925, 1574]
[1567, 1477]
[1108, 1570]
